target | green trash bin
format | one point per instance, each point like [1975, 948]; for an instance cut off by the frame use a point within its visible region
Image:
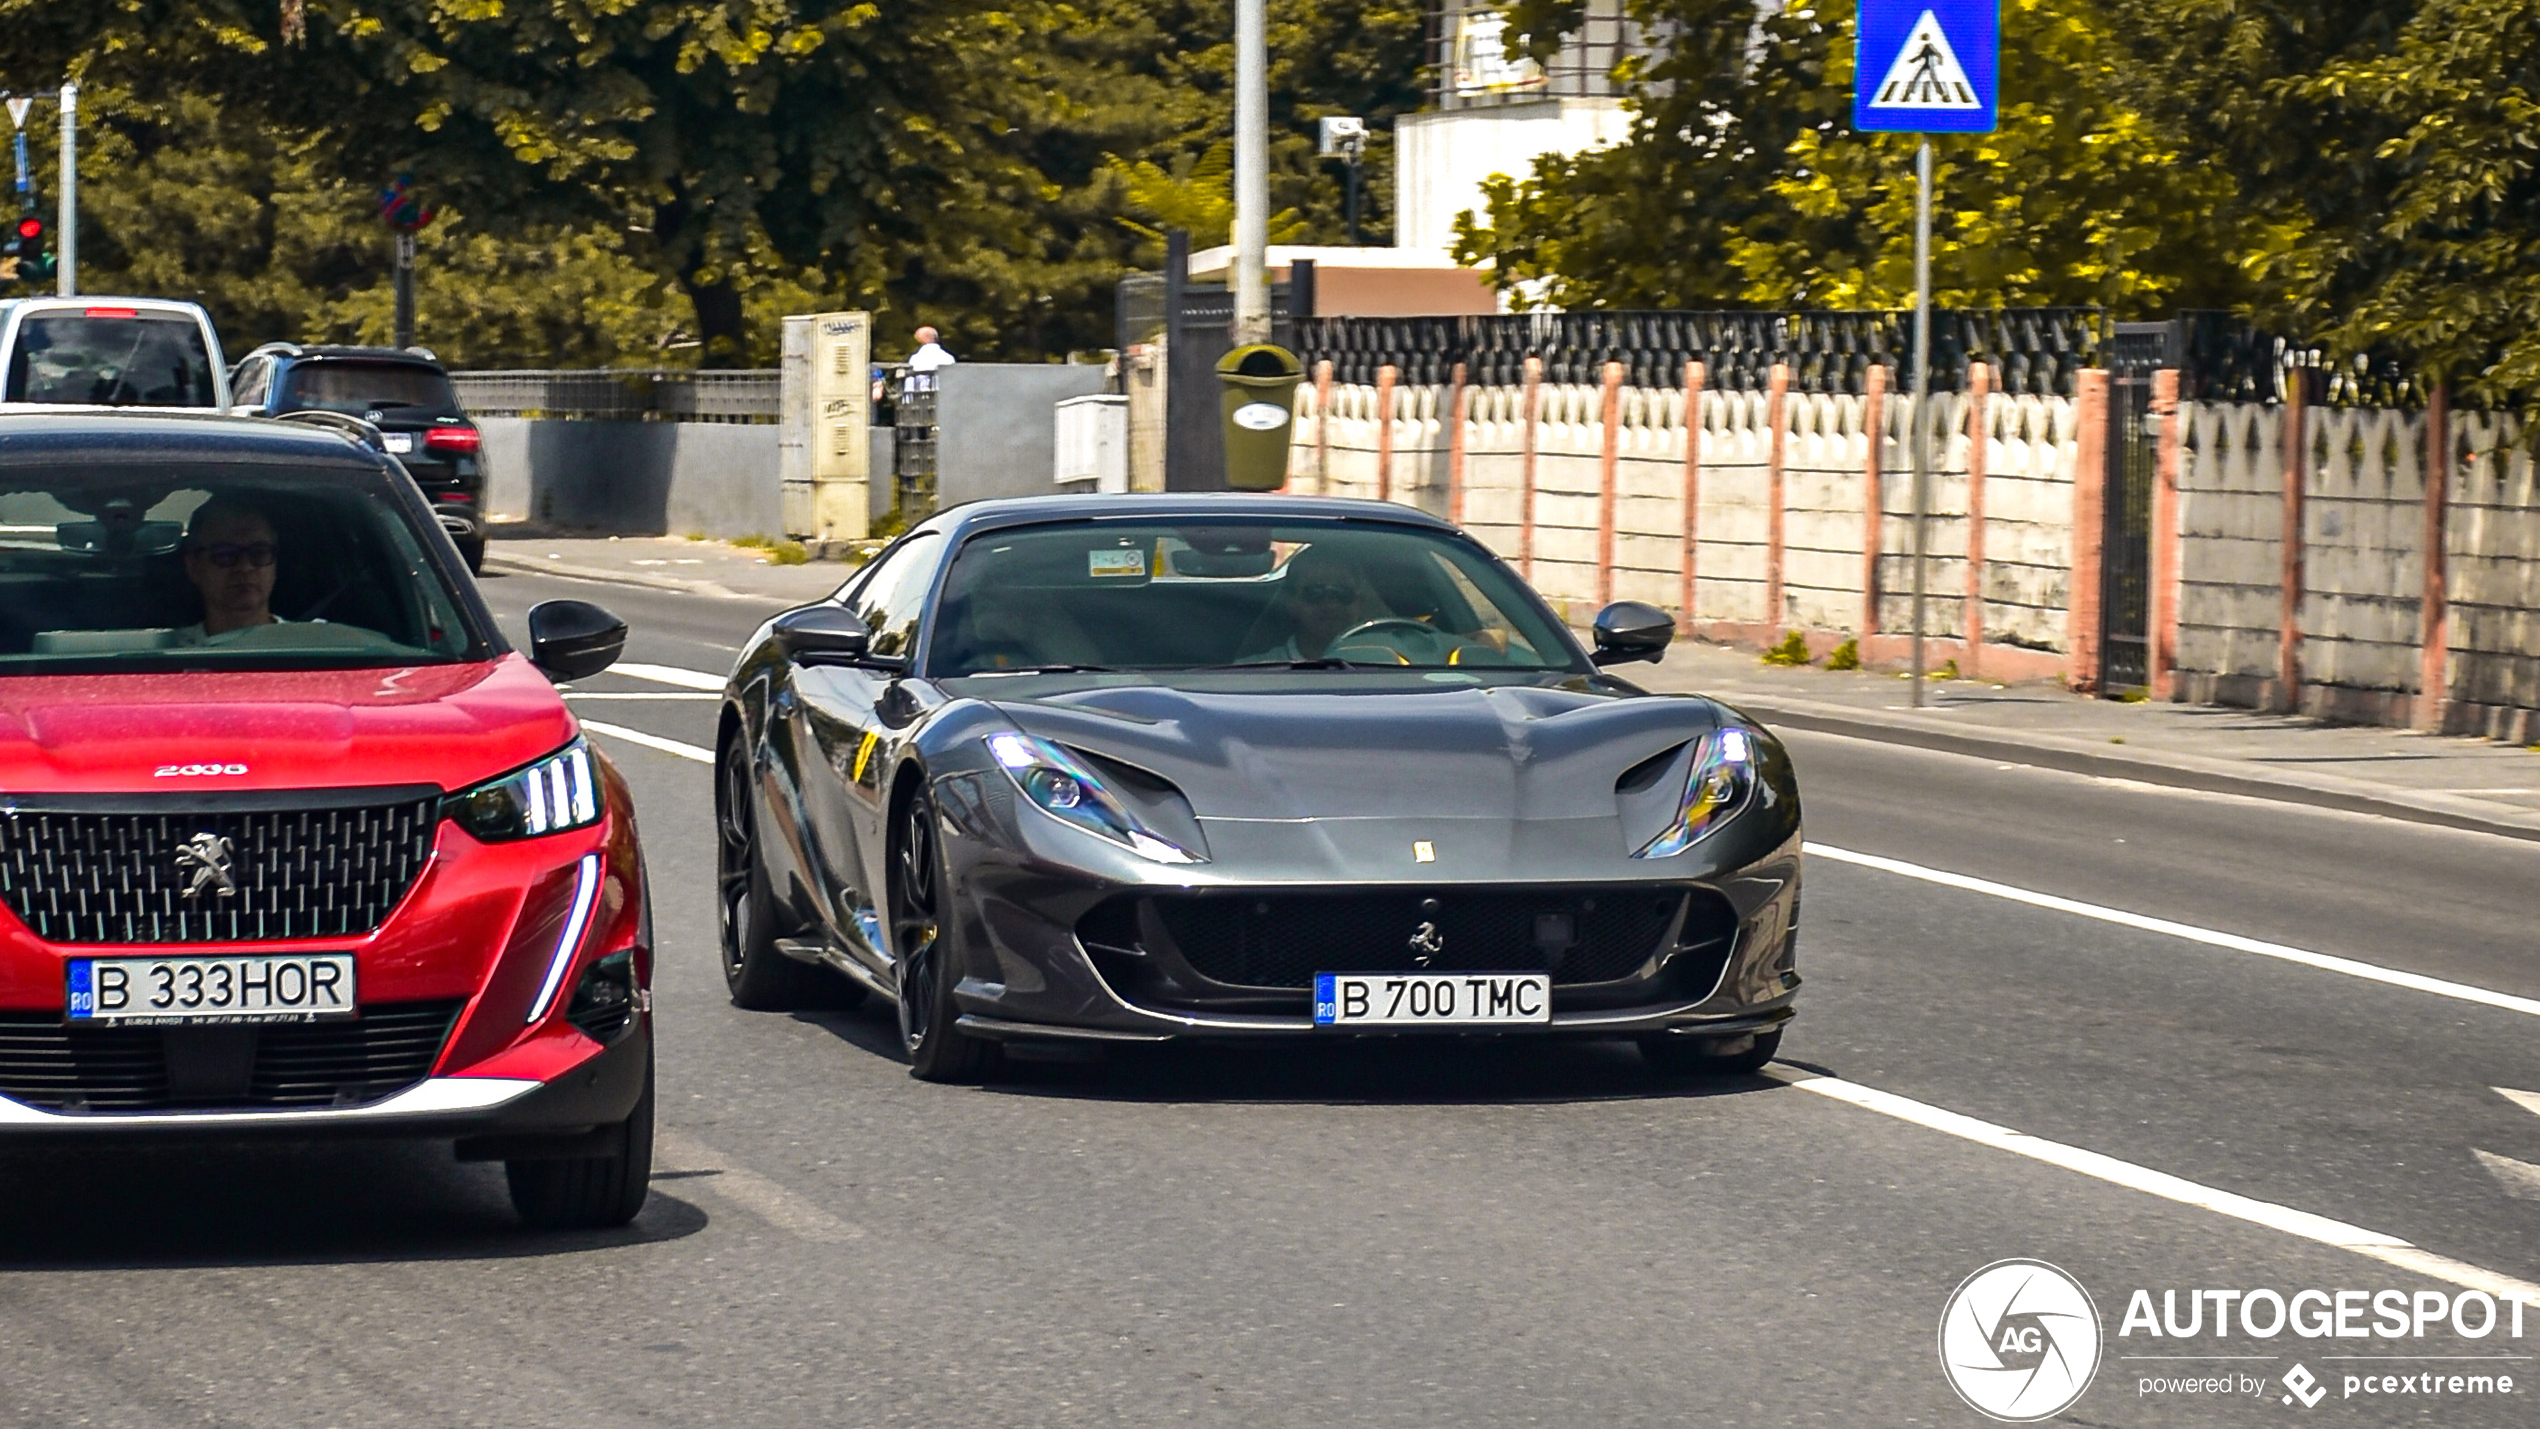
[1259, 406]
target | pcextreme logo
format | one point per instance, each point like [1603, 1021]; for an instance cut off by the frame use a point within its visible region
[2019, 1341]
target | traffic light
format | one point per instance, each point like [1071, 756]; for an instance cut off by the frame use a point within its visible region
[27, 256]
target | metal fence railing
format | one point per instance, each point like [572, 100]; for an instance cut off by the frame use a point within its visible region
[622, 394]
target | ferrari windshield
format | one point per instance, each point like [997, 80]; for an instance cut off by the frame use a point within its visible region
[1169, 595]
[219, 567]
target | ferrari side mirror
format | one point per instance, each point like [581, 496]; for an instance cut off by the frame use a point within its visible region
[1627, 630]
[822, 634]
[573, 639]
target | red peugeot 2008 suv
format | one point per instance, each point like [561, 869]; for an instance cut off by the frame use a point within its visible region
[290, 841]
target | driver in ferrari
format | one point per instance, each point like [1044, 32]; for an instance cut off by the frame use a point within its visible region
[1322, 594]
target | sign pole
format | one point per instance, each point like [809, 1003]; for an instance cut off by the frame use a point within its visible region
[1252, 173]
[1925, 67]
[405, 290]
[66, 226]
[1921, 434]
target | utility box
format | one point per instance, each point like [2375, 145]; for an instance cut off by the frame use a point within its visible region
[826, 407]
[1093, 443]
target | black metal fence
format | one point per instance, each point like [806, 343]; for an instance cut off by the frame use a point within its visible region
[2033, 351]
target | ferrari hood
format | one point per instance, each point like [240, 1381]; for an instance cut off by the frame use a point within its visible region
[1509, 752]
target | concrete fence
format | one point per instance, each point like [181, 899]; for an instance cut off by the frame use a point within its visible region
[2290, 544]
[1772, 511]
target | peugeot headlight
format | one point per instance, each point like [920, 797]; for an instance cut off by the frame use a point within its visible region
[1064, 788]
[557, 793]
[1723, 779]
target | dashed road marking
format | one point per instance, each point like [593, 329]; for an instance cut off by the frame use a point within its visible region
[669, 675]
[2415, 982]
[785, 1210]
[2389, 1249]
[654, 696]
[650, 741]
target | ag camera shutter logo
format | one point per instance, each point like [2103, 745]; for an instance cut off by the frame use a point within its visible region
[2019, 1341]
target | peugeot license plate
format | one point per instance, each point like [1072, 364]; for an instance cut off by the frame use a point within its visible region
[148, 992]
[1431, 999]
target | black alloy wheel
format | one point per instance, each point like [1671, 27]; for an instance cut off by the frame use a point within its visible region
[758, 976]
[938, 1051]
[584, 1193]
[1672, 1056]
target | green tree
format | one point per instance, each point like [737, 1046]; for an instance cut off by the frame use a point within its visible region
[1743, 183]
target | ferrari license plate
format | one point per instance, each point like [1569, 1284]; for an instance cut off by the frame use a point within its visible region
[305, 987]
[1431, 999]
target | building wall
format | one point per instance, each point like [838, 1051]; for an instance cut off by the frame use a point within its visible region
[1441, 159]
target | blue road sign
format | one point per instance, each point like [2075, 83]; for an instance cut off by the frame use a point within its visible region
[1927, 66]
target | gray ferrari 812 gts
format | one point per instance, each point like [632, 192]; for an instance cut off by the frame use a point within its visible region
[1130, 769]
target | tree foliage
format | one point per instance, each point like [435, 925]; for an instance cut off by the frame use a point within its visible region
[936, 160]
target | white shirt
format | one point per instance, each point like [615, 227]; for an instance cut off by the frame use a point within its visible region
[930, 357]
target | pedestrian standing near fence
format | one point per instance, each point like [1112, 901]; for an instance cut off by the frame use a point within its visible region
[930, 355]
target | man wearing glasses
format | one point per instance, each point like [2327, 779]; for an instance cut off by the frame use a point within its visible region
[1322, 594]
[229, 556]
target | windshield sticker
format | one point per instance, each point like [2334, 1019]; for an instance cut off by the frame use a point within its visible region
[1131, 562]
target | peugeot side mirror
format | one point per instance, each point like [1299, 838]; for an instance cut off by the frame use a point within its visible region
[573, 639]
[1628, 630]
[822, 634]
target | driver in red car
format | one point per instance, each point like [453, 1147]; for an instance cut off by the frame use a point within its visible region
[229, 556]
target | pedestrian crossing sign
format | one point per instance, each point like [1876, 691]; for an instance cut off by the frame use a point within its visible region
[1927, 66]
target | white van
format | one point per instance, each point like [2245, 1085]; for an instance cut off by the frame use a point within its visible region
[110, 352]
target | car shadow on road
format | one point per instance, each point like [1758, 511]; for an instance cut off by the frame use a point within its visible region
[177, 1205]
[1412, 1071]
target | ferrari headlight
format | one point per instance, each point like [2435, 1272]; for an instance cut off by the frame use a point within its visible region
[559, 792]
[1723, 779]
[1062, 787]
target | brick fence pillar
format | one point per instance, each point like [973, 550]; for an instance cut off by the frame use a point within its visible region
[1873, 493]
[1455, 395]
[1776, 419]
[1979, 424]
[1526, 469]
[2083, 618]
[1386, 377]
[2434, 623]
[1323, 427]
[2296, 461]
[1693, 485]
[1608, 463]
[2161, 649]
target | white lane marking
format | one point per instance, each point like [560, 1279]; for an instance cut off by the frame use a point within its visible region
[2415, 982]
[2389, 1249]
[673, 695]
[650, 741]
[2528, 1101]
[2520, 1179]
[756, 1194]
[669, 675]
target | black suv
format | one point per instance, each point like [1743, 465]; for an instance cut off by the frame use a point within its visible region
[401, 391]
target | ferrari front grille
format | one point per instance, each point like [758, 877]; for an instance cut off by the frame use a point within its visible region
[1282, 939]
[211, 875]
[47, 1063]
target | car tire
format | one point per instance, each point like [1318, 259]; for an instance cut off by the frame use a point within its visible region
[585, 1193]
[1670, 1055]
[938, 1050]
[759, 977]
[473, 552]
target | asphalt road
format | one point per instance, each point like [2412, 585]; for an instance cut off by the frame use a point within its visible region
[1422, 1235]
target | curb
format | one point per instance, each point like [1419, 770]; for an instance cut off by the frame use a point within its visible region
[2178, 771]
[531, 566]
